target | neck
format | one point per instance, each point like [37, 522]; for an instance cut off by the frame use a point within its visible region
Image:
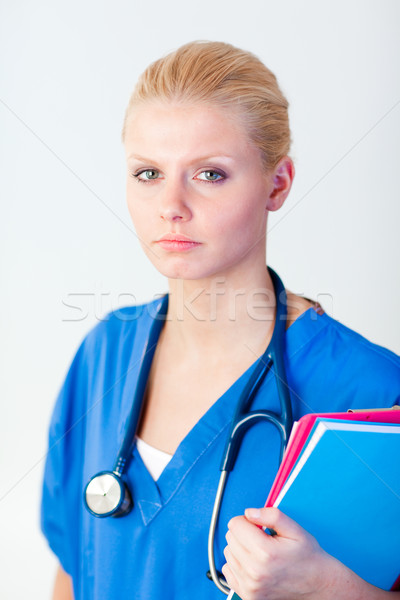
[221, 311]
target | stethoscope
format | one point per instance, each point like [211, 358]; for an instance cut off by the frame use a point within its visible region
[107, 493]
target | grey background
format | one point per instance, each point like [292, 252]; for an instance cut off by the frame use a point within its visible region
[67, 70]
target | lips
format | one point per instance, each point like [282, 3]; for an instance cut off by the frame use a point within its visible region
[176, 242]
[175, 237]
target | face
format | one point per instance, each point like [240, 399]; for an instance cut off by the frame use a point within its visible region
[196, 191]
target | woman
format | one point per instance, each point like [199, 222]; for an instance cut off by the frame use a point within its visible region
[207, 140]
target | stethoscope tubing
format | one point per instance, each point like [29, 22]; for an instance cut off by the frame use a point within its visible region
[120, 501]
[273, 358]
[126, 450]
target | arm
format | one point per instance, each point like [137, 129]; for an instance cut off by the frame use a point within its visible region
[288, 566]
[62, 586]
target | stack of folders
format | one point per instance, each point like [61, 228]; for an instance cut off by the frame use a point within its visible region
[340, 480]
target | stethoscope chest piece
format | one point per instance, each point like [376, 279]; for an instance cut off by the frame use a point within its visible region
[106, 495]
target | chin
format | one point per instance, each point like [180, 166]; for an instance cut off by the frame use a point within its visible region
[190, 267]
[186, 272]
[179, 268]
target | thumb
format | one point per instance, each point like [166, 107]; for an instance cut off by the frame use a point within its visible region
[276, 521]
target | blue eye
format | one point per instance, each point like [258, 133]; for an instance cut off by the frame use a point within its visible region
[210, 176]
[149, 175]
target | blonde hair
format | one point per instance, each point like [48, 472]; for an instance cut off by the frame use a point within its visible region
[221, 74]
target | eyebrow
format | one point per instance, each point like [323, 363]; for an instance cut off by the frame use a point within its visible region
[197, 159]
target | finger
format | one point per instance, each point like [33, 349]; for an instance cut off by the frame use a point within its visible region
[235, 553]
[247, 538]
[231, 578]
[234, 562]
[236, 545]
[273, 518]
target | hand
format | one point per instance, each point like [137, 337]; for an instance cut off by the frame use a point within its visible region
[285, 566]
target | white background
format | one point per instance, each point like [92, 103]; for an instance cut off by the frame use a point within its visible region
[67, 72]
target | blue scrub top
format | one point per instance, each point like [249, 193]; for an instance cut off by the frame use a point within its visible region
[159, 550]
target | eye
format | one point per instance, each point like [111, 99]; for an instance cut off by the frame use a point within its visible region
[146, 175]
[210, 176]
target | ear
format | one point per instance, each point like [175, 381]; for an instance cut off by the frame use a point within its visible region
[281, 178]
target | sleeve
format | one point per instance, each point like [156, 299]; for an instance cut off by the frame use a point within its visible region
[61, 494]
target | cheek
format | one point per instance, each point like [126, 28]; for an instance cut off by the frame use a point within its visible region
[244, 220]
[138, 213]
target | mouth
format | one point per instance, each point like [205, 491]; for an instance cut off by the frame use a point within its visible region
[176, 242]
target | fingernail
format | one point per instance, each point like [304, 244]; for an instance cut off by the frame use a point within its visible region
[253, 513]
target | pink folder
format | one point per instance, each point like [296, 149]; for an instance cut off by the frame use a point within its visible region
[304, 426]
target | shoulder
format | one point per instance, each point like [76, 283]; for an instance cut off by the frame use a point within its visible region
[350, 345]
[120, 326]
[340, 365]
[297, 306]
[339, 340]
[102, 358]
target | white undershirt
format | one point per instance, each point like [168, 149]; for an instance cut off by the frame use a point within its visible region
[155, 460]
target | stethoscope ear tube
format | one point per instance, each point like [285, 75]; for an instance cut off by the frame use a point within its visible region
[272, 359]
[107, 495]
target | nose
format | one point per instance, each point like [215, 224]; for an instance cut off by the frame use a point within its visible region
[173, 202]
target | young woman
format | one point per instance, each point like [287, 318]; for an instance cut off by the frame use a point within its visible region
[207, 140]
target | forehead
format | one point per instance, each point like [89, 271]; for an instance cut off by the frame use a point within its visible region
[183, 129]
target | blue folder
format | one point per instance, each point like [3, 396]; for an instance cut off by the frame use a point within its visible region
[347, 494]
